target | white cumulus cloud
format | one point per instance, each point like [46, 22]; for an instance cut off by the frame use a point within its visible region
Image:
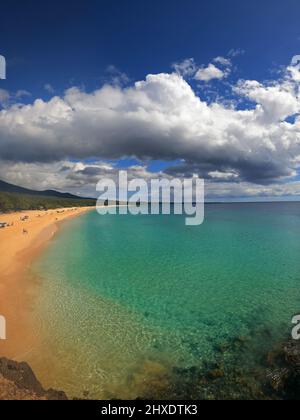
[209, 73]
[162, 117]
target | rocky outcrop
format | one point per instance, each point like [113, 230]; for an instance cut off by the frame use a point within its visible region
[17, 381]
[277, 378]
[292, 355]
[284, 374]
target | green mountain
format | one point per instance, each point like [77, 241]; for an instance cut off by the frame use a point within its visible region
[5, 187]
[15, 198]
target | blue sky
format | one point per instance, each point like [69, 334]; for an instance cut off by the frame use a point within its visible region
[53, 46]
[51, 42]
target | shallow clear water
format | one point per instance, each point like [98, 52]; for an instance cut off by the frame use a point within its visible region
[126, 299]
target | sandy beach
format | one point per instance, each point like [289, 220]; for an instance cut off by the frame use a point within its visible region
[20, 242]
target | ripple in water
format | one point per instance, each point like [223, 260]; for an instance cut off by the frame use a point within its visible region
[144, 306]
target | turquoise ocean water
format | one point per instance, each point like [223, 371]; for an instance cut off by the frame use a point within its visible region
[134, 306]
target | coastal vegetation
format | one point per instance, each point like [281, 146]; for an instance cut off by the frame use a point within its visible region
[10, 202]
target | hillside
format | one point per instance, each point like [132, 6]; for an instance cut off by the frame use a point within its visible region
[15, 198]
[10, 188]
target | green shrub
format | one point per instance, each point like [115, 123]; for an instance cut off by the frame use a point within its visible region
[10, 202]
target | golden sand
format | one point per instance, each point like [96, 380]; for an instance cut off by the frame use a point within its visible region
[20, 242]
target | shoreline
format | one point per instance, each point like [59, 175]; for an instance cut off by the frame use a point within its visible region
[277, 374]
[20, 243]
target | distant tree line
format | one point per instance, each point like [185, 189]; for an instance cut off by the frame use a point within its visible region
[10, 202]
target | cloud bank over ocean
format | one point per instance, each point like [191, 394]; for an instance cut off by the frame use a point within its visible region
[246, 146]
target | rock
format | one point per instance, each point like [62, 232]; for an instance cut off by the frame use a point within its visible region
[278, 379]
[271, 358]
[22, 376]
[53, 395]
[216, 374]
[284, 378]
[292, 354]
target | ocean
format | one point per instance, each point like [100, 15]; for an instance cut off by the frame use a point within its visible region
[144, 306]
